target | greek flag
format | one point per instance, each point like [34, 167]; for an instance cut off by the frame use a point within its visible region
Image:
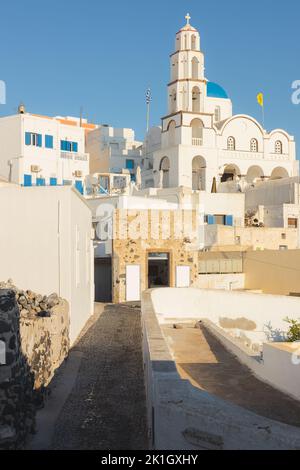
[148, 96]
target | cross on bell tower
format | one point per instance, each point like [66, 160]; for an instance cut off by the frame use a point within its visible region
[187, 17]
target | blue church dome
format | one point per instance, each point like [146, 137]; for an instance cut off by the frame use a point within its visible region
[215, 91]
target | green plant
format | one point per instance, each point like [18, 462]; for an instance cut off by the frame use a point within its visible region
[293, 333]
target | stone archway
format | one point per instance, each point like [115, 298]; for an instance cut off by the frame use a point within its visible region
[231, 173]
[254, 173]
[279, 173]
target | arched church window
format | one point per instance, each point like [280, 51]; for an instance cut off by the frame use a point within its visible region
[278, 147]
[231, 143]
[217, 113]
[254, 145]
[195, 68]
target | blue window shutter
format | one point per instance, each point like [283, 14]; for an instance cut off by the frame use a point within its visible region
[62, 144]
[27, 138]
[79, 186]
[39, 140]
[75, 147]
[53, 181]
[229, 220]
[27, 180]
[210, 220]
[129, 164]
[49, 141]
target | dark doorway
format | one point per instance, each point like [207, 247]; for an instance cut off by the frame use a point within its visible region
[158, 270]
[103, 280]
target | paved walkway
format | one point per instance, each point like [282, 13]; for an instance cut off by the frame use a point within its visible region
[203, 360]
[102, 388]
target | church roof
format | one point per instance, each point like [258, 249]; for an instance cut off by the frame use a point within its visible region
[216, 91]
[188, 27]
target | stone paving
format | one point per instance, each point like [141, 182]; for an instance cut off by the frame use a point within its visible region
[106, 407]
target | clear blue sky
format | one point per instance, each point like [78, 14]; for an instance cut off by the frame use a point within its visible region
[58, 55]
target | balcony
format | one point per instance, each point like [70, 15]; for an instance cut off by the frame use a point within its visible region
[74, 156]
[197, 141]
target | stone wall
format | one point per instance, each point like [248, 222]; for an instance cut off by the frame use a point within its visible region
[36, 342]
[157, 230]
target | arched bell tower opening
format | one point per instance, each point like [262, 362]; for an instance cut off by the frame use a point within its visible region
[195, 68]
[199, 174]
[197, 132]
[165, 169]
[196, 99]
[172, 130]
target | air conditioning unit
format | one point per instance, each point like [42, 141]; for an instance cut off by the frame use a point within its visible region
[35, 169]
[78, 174]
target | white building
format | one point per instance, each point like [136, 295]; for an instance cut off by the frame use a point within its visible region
[43, 151]
[201, 139]
[46, 246]
[112, 150]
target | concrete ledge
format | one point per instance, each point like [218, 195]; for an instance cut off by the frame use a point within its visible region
[182, 417]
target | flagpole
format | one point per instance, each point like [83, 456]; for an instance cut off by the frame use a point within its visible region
[148, 101]
[148, 116]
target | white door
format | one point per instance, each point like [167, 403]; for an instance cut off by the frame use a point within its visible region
[133, 283]
[183, 276]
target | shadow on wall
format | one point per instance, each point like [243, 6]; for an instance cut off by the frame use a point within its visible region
[27, 368]
[224, 376]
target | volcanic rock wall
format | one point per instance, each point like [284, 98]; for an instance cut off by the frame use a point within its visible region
[33, 344]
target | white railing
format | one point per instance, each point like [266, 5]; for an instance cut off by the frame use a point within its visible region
[74, 156]
[197, 141]
[245, 155]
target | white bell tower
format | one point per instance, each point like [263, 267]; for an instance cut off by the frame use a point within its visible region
[187, 86]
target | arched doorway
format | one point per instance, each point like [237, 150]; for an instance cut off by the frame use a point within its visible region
[279, 173]
[196, 99]
[254, 173]
[165, 169]
[230, 173]
[197, 132]
[199, 174]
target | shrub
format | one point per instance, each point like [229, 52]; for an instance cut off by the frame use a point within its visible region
[293, 333]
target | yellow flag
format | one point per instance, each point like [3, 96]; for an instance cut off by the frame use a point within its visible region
[260, 99]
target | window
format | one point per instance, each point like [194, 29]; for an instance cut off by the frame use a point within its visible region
[278, 147]
[217, 114]
[34, 139]
[283, 236]
[129, 164]
[27, 180]
[79, 186]
[40, 182]
[67, 182]
[254, 145]
[231, 143]
[53, 181]
[67, 146]
[49, 141]
[292, 222]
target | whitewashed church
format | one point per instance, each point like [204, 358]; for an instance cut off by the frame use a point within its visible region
[201, 139]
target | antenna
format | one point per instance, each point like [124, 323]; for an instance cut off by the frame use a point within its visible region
[81, 114]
